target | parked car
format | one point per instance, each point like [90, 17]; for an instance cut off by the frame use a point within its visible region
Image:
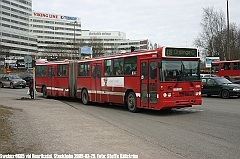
[237, 81]
[12, 81]
[220, 86]
[208, 75]
[27, 78]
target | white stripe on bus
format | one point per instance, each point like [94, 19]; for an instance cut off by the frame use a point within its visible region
[138, 95]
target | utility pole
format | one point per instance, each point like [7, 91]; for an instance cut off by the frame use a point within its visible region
[74, 39]
[228, 34]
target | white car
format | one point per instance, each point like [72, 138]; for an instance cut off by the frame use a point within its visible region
[208, 75]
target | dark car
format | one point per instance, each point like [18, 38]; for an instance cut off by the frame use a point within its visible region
[237, 81]
[12, 81]
[27, 78]
[220, 86]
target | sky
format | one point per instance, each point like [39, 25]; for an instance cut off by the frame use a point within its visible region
[165, 22]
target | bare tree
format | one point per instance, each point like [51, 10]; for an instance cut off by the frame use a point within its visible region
[212, 26]
[213, 38]
[60, 50]
[234, 42]
[97, 46]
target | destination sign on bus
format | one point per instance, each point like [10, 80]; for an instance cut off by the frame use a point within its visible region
[181, 52]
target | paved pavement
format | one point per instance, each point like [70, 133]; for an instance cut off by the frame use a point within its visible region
[48, 126]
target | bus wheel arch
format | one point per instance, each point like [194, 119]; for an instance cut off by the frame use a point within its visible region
[85, 96]
[131, 101]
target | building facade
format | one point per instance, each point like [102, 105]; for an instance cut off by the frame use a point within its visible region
[24, 31]
[15, 36]
[56, 34]
[59, 34]
[114, 41]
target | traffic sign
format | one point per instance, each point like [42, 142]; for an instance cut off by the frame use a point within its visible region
[28, 61]
[8, 71]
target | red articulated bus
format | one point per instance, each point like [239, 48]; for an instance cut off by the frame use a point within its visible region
[167, 77]
[227, 69]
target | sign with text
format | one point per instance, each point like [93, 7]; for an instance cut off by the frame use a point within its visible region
[181, 52]
[209, 60]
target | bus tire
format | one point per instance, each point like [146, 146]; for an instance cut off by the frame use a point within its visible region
[225, 94]
[44, 90]
[132, 102]
[85, 97]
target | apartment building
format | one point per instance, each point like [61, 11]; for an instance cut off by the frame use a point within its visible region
[15, 36]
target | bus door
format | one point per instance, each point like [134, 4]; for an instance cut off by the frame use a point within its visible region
[51, 81]
[96, 82]
[148, 84]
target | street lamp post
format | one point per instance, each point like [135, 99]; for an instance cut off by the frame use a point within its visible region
[74, 39]
[228, 34]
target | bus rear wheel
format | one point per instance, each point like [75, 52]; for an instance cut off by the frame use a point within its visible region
[85, 97]
[45, 92]
[132, 102]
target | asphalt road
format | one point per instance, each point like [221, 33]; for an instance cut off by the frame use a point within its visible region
[207, 131]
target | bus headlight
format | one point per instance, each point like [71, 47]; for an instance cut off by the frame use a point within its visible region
[169, 94]
[198, 93]
[164, 94]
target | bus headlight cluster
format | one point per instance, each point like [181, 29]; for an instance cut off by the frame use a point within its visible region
[198, 93]
[167, 95]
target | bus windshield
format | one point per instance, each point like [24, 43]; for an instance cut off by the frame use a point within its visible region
[179, 70]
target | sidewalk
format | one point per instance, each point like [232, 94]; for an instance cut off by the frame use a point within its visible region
[47, 126]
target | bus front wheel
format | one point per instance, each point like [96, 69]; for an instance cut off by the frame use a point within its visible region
[132, 102]
[85, 97]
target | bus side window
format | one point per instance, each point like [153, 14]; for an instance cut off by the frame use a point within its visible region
[80, 69]
[215, 68]
[94, 71]
[98, 71]
[144, 70]
[87, 65]
[118, 66]
[226, 66]
[236, 65]
[130, 65]
[64, 72]
[107, 67]
[153, 70]
[59, 70]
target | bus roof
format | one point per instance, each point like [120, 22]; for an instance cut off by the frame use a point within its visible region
[217, 62]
